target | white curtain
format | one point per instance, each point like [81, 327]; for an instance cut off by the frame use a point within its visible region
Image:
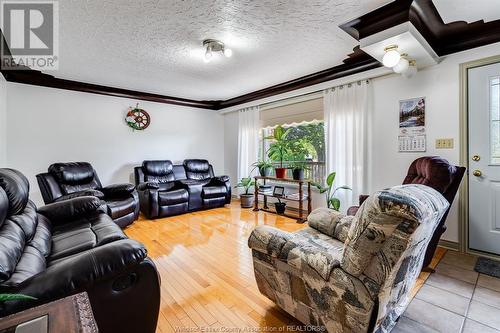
[248, 140]
[346, 137]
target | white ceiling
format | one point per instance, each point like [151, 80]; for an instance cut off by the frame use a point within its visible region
[468, 10]
[155, 45]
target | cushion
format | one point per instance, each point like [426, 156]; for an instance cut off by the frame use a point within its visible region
[196, 165]
[158, 171]
[83, 235]
[121, 207]
[83, 193]
[166, 198]
[72, 173]
[17, 187]
[213, 192]
[432, 171]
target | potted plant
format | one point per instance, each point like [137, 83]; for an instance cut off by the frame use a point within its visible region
[298, 169]
[246, 198]
[279, 149]
[332, 202]
[264, 167]
[280, 207]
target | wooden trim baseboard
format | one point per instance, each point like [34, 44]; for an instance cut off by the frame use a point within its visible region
[450, 245]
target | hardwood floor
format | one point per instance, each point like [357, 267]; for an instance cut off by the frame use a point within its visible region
[207, 278]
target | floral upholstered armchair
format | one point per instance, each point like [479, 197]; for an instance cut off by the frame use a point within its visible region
[350, 273]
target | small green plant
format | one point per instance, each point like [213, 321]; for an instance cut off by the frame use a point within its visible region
[261, 165]
[14, 297]
[331, 201]
[279, 149]
[246, 183]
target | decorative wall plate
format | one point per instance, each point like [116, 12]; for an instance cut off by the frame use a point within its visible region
[137, 118]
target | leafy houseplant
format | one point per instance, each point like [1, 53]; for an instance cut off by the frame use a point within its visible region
[280, 207]
[279, 149]
[331, 201]
[246, 197]
[264, 167]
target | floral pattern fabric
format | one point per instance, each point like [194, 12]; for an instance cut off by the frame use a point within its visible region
[350, 274]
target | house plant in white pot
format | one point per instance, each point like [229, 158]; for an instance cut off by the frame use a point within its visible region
[332, 201]
[246, 198]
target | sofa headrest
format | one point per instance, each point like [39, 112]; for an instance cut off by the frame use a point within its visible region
[432, 171]
[157, 168]
[196, 165]
[17, 188]
[73, 172]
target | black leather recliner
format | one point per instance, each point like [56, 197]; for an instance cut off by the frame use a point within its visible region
[68, 247]
[69, 180]
[166, 189]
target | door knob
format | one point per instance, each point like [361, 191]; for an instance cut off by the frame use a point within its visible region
[477, 173]
[476, 158]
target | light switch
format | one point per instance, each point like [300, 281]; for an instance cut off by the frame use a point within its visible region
[444, 143]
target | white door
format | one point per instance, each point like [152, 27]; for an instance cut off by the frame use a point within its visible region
[484, 158]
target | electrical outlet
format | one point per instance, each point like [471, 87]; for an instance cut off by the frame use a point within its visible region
[444, 143]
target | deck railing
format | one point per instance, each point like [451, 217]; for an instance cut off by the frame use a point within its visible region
[315, 171]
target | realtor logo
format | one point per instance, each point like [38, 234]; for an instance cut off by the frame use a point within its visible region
[31, 34]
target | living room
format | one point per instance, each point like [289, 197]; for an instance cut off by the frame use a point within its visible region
[127, 150]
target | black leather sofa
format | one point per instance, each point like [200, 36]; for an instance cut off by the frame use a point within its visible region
[166, 189]
[69, 247]
[69, 180]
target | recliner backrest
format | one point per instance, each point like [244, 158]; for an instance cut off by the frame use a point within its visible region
[387, 241]
[198, 169]
[158, 171]
[75, 176]
[18, 221]
[437, 173]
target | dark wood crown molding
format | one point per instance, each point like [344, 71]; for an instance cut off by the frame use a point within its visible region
[356, 62]
[443, 38]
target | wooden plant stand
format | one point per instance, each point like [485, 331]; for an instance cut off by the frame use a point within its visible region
[300, 218]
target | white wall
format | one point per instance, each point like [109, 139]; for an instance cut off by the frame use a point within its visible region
[440, 85]
[3, 118]
[48, 125]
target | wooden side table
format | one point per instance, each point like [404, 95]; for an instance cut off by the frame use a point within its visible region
[72, 314]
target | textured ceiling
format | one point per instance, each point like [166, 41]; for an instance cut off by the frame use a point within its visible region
[467, 10]
[155, 45]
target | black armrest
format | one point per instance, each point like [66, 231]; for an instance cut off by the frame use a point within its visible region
[85, 269]
[118, 190]
[62, 212]
[222, 178]
[84, 193]
[148, 186]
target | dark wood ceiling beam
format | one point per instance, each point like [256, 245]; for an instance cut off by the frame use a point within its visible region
[443, 38]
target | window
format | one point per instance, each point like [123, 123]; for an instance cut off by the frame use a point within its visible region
[305, 119]
[495, 120]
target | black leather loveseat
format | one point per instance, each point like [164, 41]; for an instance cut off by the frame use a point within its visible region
[68, 247]
[166, 189]
[69, 180]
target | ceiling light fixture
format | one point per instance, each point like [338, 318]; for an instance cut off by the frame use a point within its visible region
[412, 69]
[213, 45]
[391, 57]
[402, 65]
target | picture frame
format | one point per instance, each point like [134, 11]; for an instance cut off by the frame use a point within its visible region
[279, 191]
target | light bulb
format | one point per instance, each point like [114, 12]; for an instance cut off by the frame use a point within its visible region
[391, 58]
[411, 71]
[402, 66]
[208, 55]
[228, 53]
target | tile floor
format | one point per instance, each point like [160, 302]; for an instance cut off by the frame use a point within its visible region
[454, 299]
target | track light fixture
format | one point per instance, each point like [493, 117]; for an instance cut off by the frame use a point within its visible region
[212, 45]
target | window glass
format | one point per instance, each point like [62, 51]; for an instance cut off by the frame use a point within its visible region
[495, 120]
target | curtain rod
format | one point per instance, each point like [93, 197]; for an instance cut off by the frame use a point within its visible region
[307, 96]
